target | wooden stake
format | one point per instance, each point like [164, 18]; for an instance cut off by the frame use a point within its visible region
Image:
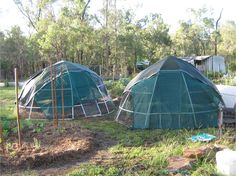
[52, 90]
[17, 107]
[62, 98]
[1, 138]
[55, 97]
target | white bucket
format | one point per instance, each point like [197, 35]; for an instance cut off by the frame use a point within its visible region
[226, 162]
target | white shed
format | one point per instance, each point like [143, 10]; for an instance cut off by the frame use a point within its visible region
[208, 63]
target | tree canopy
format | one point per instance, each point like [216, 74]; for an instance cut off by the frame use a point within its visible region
[113, 38]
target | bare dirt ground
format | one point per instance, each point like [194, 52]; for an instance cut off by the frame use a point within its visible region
[54, 152]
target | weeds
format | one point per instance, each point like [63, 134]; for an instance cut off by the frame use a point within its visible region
[92, 170]
[38, 127]
[10, 149]
[37, 143]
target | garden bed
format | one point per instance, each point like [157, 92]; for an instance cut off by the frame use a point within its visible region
[46, 146]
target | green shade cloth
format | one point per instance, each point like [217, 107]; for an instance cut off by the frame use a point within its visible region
[84, 92]
[170, 94]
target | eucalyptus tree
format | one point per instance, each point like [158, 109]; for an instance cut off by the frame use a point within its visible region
[196, 36]
[3, 62]
[131, 40]
[34, 11]
[118, 39]
[227, 46]
[128, 42]
[186, 40]
[14, 51]
[65, 36]
[155, 37]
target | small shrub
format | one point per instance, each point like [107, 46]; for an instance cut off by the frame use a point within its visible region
[124, 81]
[38, 127]
[214, 75]
[6, 127]
[115, 88]
[5, 133]
[232, 66]
[5, 124]
[26, 123]
[108, 84]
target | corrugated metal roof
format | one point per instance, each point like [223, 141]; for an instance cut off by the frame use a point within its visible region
[197, 58]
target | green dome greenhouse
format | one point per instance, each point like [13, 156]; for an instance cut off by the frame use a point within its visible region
[170, 94]
[84, 93]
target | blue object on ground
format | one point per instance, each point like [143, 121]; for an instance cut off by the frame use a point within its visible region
[203, 137]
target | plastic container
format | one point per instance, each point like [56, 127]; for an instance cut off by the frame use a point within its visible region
[226, 162]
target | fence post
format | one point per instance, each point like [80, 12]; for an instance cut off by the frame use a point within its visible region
[62, 98]
[52, 90]
[55, 97]
[17, 107]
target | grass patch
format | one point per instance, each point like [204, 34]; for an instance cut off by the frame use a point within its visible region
[7, 103]
[8, 114]
[93, 170]
[146, 152]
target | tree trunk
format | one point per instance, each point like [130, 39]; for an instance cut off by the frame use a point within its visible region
[216, 37]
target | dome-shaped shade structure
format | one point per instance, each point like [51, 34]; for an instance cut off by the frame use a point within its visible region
[170, 94]
[79, 90]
